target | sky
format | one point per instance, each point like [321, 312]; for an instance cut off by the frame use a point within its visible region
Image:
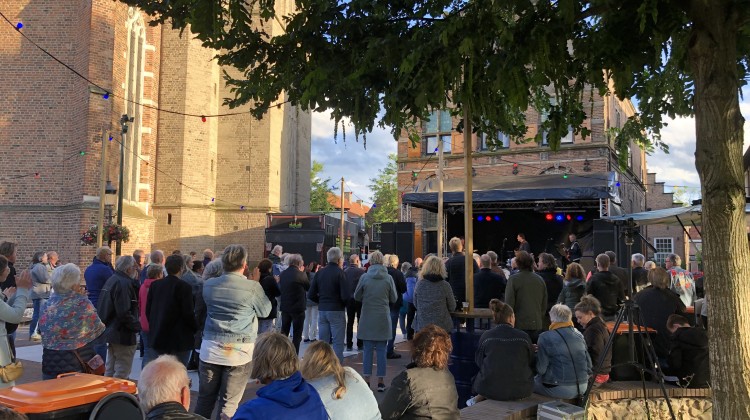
[357, 165]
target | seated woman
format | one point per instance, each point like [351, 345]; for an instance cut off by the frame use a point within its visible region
[563, 365]
[69, 325]
[285, 395]
[344, 393]
[505, 357]
[426, 389]
[588, 312]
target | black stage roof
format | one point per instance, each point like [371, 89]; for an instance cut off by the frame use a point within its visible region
[518, 189]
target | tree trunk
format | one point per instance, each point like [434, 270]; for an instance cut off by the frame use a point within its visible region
[726, 258]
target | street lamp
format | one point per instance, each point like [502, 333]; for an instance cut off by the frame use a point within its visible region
[110, 199]
[124, 120]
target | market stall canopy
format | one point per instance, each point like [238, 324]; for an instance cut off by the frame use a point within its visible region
[590, 186]
[669, 216]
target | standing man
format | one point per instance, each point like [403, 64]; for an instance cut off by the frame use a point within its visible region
[275, 255]
[681, 281]
[487, 284]
[412, 275]
[208, 256]
[140, 258]
[620, 272]
[526, 293]
[400, 282]
[170, 312]
[606, 287]
[294, 286]
[117, 306]
[455, 267]
[494, 267]
[523, 245]
[328, 291]
[53, 260]
[157, 257]
[574, 250]
[640, 274]
[98, 273]
[353, 307]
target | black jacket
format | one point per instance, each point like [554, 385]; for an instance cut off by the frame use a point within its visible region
[656, 306]
[622, 274]
[456, 268]
[294, 286]
[271, 288]
[606, 287]
[328, 290]
[488, 286]
[640, 277]
[506, 364]
[171, 317]
[596, 336]
[689, 356]
[400, 282]
[117, 307]
[554, 284]
[571, 293]
[352, 280]
[171, 411]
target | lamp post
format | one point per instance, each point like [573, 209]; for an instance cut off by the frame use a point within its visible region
[110, 199]
[124, 120]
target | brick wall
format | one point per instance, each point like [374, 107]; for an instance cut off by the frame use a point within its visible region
[657, 199]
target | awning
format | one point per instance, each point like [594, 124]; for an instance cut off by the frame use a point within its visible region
[515, 188]
[669, 216]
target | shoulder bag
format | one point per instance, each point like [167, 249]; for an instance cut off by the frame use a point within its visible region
[12, 370]
[579, 397]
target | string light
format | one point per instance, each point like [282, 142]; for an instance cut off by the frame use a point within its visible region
[110, 138]
[242, 207]
[565, 176]
[203, 118]
[19, 26]
[36, 175]
[106, 95]
[213, 199]
[82, 153]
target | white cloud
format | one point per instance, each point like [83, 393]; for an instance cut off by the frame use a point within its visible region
[349, 158]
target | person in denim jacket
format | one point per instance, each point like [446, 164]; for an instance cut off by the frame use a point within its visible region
[233, 305]
[562, 359]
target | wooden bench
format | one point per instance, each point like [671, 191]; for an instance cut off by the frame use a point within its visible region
[509, 410]
[620, 390]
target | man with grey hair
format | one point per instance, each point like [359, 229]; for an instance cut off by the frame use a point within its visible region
[353, 307]
[329, 291]
[140, 258]
[164, 390]
[640, 274]
[681, 281]
[275, 255]
[118, 309]
[294, 285]
[156, 257]
[494, 267]
[488, 285]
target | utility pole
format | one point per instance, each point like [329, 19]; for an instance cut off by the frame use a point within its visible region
[341, 234]
[102, 187]
[440, 215]
[124, 120]
[468, 213]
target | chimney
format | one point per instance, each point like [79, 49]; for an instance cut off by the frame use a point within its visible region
[359, 202]
[347, 196]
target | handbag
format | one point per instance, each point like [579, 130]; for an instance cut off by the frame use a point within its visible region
[95, 366]
[579, 397]
[12, 370]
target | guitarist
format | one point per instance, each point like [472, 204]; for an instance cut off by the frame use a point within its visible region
[573, 253]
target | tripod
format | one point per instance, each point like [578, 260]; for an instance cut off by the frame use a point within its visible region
[631, 312]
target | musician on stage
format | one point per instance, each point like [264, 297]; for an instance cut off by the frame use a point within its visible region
[574, 253]
[523, 245]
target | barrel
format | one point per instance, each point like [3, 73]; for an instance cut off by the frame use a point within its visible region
[462, 364]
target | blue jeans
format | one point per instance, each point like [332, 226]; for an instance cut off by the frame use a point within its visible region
[559, 391]
[38, 303]
[394, 324]
[265, 325]
[149, 354]
[379, 347]
[332, 324]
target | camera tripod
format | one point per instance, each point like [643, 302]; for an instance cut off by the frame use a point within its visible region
[631, 312]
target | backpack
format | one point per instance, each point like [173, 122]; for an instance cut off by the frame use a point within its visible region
[683, 284]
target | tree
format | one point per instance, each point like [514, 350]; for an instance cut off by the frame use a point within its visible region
[685, 195]
[320, 189]
[494, 59]
[385, 194]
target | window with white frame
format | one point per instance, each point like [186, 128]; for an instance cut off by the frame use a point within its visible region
[491, 143]
[543, 117]
[133, 100]
[664, 247]
[438, 127]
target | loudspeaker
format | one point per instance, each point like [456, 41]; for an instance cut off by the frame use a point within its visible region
[605, 237]
[398, 238]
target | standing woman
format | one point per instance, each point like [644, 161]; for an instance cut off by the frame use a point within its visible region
[12, 314]
[310, 326]
[271, 289]
[40, 278]
[433, 296]
[376, 291]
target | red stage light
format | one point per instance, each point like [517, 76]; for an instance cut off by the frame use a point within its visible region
[569, 217]
[488, 218]
[548, 216]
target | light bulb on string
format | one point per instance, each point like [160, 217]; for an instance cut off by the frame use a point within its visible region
[110, 138]
[36, 175]
[106, 95]
[618, 184]
[19, 26]
[565, 176]
[242, 207]
[203, 118]
[213, 199]
[82, 153]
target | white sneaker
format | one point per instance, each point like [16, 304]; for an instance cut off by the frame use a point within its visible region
[470, 402]
[36, 337]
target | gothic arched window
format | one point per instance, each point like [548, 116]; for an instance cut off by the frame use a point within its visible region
[136, 44]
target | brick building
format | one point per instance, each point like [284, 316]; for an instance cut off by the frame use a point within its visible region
[667, 239]
[597, 184]
[188, 184]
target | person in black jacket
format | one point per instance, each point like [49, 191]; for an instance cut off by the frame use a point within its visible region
[657, 302]
[327, 289]
[606, 288]
[353, 308]
[164, 390]
[487, 284]
[294, 286]
[618, 271]
[400, 282]
[595, 333]
[455, 267]
[117, 307]
[640, 274]
[547, 270]
[264, 274]
[688, 355]
[505, 357]
[170, 312]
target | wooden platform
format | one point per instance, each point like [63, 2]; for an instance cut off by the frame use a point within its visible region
[527, 408]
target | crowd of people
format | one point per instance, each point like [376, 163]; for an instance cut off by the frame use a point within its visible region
[231, 323]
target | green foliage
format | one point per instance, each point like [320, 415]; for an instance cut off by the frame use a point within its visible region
[319, 189]
[686, 195]
[385, 194]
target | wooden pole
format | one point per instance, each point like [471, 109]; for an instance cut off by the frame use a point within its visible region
[468, 213]
[102, 191]
[440, 238]
[341, 234]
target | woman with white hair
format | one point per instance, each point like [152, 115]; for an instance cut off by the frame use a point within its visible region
[563, 364]
[433, 296]
[69, 325]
